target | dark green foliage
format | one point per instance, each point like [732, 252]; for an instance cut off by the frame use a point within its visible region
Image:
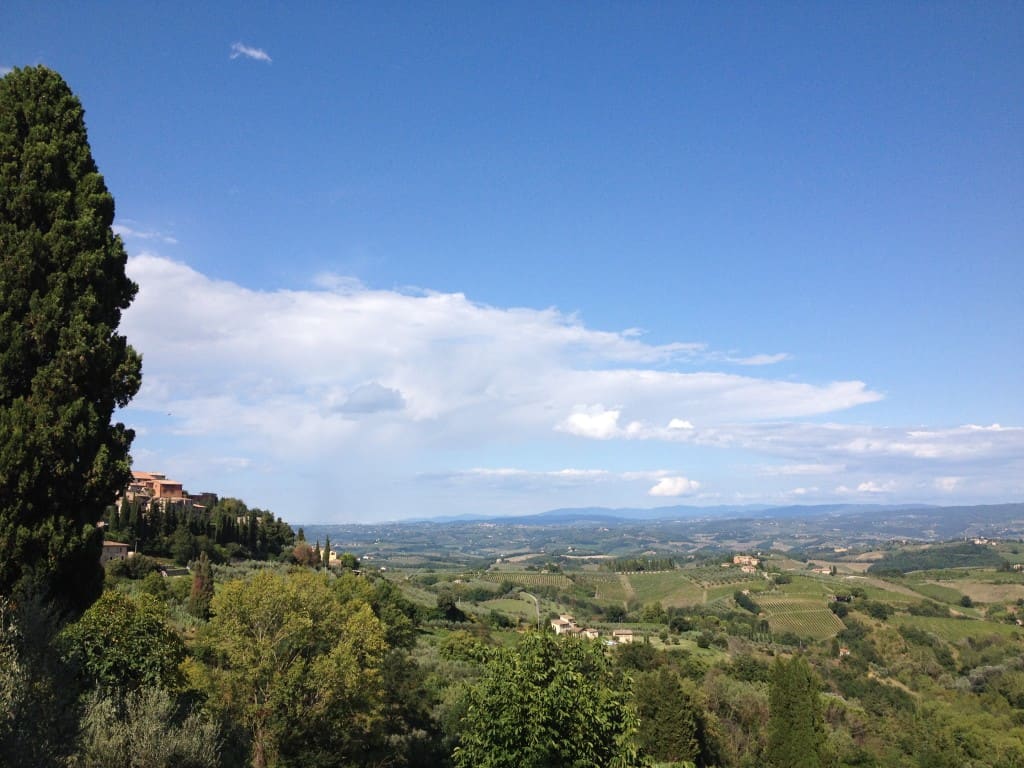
[745, 601]
[551, 701]
[675, 725]
[38, 689]
[636, 657]
[796, 728]
[348, 561]
[961, 555]
[749, 669]
[63, 367]
[409, 734]
[125, 643]
[928, 608]
[447, 608]
[631, 564]
[202, 588]
[225, 530]
[876, 609]
[134, 567]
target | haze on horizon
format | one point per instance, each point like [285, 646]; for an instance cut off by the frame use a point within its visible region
[402, 261]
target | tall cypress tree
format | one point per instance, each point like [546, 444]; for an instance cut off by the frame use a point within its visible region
[201, 596]
[64, 369]
[796, 728]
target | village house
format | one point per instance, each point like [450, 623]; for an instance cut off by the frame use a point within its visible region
[154, 488]
[622, 636]
[113, 550]
[745, 560]
[565, 625]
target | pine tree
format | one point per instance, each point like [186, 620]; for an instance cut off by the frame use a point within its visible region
[64, 369]
[327, 552]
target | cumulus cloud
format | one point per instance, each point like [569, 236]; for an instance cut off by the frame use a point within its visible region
[248, 52]
[592, 421]
[341, 370]
[868, 487]
[674, 486]
[280, 367]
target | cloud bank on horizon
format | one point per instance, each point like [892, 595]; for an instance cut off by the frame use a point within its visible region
[346, 402]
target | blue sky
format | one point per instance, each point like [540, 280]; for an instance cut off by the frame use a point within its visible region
[402, 260]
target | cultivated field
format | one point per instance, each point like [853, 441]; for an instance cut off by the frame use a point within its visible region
[531, 579]
[817, 623]
[670, 588]
[955, 630]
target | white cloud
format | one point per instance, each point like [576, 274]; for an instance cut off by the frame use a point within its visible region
[680, 424]
[674, 486]
[350, 382]
[948, 484]
[278, 367]
[870, 486]
[761, 359]
[128, 232]
[6, 71]
[803, 491]
[257, 54]
[593, 422]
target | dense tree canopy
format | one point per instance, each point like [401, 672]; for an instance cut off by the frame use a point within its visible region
[297, 663]
[125, 643]
[550, 701]
[796, 729]
[64, 369]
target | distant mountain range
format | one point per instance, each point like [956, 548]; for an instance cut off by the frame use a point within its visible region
[570, 515]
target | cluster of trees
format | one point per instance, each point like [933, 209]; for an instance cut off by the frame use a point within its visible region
[961, 555]
[632, 564]
[225, 530]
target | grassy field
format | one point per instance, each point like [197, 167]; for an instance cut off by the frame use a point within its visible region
[671, 589]
[955, 630]
[876, 589]
[938, 592]
[524, 609]
[609, 589]
[810, 586]
[720, 591]
[987, 592]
